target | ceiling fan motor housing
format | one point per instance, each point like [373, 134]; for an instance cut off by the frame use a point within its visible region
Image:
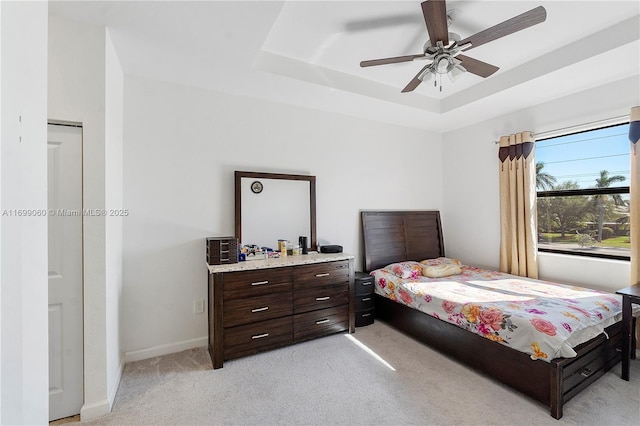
[429, 48]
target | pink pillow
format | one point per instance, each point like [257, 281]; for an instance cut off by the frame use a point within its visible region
[407, 269]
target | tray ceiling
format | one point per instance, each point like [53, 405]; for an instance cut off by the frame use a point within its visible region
[307, 53]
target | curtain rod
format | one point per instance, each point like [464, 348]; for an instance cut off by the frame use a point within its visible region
[579, 128]
[583, 127]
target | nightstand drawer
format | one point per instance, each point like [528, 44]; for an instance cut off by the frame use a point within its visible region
[314, 298]
[252, 338]
[321, 274]
[319, 323]
[364, 317]
[364, 302]
[252, 309]
[257, 282]
[364, 284]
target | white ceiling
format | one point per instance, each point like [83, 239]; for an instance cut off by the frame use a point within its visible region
[307, 53]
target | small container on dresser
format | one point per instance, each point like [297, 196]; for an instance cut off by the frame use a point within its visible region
[364, 301]
[222, 250]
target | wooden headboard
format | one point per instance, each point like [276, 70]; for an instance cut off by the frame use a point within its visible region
[396, 236]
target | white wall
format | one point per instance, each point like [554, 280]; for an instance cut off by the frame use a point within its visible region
[114, 116]
[181, 148]
[24, 368]
[471, 214]
[77, 92]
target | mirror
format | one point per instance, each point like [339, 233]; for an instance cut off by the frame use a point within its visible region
[272, 206]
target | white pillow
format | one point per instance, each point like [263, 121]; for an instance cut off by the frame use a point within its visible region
[440, 261]
[442, 270]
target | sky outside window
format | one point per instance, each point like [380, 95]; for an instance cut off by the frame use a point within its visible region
[580, 157]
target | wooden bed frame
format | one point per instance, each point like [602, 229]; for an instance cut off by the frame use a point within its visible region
[395, 236]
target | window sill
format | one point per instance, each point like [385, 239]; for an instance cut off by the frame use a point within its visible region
[585, 253]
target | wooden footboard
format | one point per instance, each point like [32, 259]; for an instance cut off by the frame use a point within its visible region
[553, 384]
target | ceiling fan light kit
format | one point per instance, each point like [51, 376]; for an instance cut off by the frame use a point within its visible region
[443, 48]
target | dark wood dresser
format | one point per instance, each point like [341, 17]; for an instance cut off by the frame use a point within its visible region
[260, 305]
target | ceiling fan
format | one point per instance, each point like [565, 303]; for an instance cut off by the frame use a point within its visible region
[443, 47]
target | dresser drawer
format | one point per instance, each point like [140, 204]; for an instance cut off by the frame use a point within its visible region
[364, 302]
[313, 298]
[257, 282]
[321, 274]
[252, 309]
[251, 338]
[319, 323]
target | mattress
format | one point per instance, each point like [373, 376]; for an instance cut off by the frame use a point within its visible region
[543, 319]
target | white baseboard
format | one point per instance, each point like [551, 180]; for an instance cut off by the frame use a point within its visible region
[170, 348]
[92, 411]
[111, 396]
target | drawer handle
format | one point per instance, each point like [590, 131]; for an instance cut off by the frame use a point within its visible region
[320, 299]
[366, 283]
[260, 282]
[260, 309]
[366, 315]
[324, 321]
[260, 336]
[366, 299]
[224, 251]
[586, 372]
[322, 275]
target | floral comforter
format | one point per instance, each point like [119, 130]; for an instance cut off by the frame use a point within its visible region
[545, 320]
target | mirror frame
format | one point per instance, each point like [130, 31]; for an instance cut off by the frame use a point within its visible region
[258, 175]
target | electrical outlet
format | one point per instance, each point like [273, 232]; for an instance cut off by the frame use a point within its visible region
[198, 306]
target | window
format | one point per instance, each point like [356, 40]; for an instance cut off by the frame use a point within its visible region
[582, 181]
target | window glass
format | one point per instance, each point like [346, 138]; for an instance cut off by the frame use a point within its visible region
[583, 193]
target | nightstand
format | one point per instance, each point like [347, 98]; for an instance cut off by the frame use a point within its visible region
[629, 295]
[364, 303]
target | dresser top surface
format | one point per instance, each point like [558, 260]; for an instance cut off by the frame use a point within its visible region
[303, 259]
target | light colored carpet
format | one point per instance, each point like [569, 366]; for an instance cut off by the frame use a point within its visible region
[333, 380]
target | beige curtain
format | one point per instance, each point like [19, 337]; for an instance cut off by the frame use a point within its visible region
[518, 216]
[634, 137]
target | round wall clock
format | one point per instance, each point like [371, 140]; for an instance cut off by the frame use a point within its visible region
[256, 187]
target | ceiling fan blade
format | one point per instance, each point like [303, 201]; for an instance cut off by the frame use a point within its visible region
[477, 67]
[415, 82]
[435, 16]
[510, 26]
[384, 61]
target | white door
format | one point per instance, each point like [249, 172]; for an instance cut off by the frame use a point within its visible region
[65, 270]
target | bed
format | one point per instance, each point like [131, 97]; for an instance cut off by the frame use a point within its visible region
[392, 237]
